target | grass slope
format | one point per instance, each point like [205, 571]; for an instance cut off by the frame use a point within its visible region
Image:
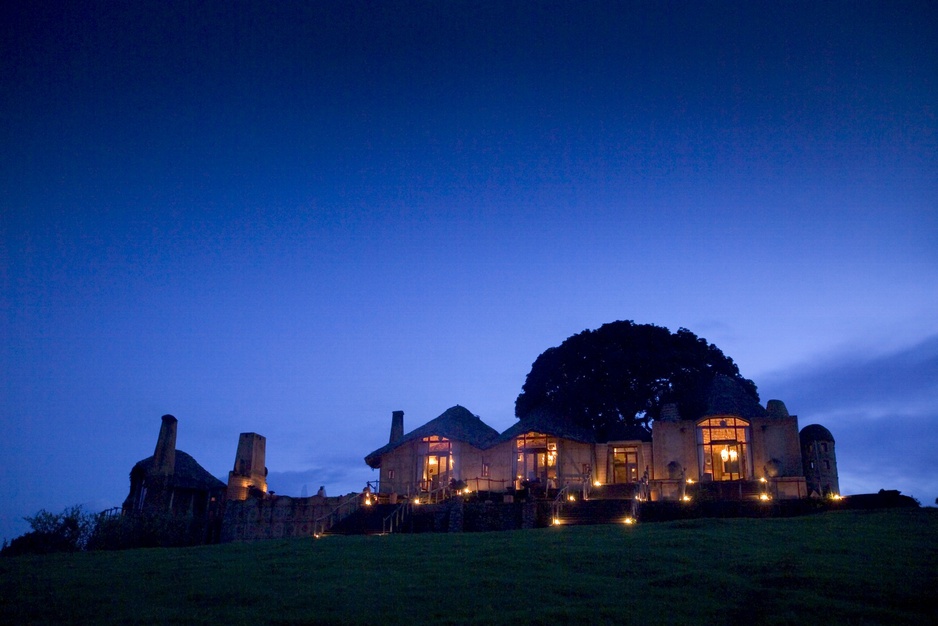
[846, 567]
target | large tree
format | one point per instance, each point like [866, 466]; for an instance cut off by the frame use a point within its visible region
[623, 373]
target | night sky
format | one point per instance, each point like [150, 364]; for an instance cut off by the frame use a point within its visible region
[295, 218]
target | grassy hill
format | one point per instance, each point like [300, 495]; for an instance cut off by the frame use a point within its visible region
[855, 567]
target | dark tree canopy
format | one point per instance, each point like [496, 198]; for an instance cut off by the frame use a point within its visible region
[623, 373]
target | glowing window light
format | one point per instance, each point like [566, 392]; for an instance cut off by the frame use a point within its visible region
[597, 484]
[555, 521]
[690, 481]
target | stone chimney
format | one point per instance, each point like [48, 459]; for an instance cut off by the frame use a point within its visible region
[397, 426]
[164, 457]
[249, 467]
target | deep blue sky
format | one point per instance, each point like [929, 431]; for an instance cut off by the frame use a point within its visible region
[295, 218]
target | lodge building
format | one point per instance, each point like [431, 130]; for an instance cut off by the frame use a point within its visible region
[735, 449]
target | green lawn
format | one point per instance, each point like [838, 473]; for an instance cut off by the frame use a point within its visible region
[846, 567]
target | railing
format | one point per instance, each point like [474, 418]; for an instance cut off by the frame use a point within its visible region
[349, 505]
[556, 507]
[488, 483]
[437, 495]
[396, 518]
[110, 513]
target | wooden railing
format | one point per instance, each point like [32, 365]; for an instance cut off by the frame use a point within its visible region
[395, 520]
[346, 507]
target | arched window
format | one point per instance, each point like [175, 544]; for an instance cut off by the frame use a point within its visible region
[723, 449]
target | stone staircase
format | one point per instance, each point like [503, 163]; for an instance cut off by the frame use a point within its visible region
[367, 520]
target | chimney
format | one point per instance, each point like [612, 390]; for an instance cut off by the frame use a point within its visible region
[397, 426]
[164, 457]
[249, 467]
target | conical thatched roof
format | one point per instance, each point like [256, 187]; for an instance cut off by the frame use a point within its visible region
[187, 473]
[727, 397]
[545, 422]
[456, 423]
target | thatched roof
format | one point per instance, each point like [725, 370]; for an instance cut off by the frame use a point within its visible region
[815, 432]
[545, 422]
[456, 424]
[727, 397]
[187, 473]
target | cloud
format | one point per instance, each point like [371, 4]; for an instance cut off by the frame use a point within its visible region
[337, 479]
[882, 411]
[907, 378]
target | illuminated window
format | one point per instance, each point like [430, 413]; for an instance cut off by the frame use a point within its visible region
[485, 470]
[624, 464]
[537, 458]
[435, 462]
[723, 448]
[390, 474]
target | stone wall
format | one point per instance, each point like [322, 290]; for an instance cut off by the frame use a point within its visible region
[274, 518]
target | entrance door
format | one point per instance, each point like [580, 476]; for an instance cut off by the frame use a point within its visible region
[624, 465]
[729, 461]
[532, 465]
[436, 471]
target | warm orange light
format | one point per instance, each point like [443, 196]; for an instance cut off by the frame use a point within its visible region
[556, 521]
[690, 481]
[762, 480]
[597, 484]
[628, 521]
[367, 501]
[571, 498]
[686, 498]
[764, 497]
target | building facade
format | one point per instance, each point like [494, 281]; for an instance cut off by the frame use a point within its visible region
[736, 449]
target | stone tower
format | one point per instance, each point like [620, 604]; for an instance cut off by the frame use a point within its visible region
[820, 461]
[249, 470]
